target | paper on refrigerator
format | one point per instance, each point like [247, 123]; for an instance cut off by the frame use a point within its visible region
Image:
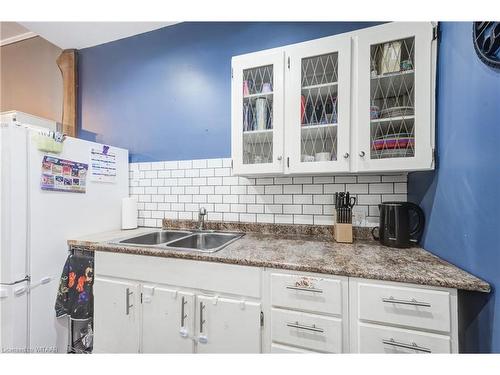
[103, 165]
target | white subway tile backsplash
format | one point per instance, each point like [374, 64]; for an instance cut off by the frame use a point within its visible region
[369, 199]
[208, 172]
[265, 218]
[264, 181]
[185, 164]
[282, 199]
[144, 166]
[214, 163]
[230, 216]
[395, 178]
[164, 174]
[368, 178]
[312, 189]
[171, 165]
[223, 172]
[201, 163]
[157, 165]
[151, 174]
[177, 189]
[381, 188]
[207, 190]
[283, 180]
[312, 209]
[292, 209]
[302, 199]
[248, 218]
[302, 219]
[283, 219]
[230, 198]
[357, 188]
[345, 179]
[273, 189]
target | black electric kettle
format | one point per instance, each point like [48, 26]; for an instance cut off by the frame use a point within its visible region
[401, 224]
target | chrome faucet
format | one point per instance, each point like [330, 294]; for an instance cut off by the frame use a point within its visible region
[201, 218]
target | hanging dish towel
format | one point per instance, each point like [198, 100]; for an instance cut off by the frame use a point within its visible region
[74, 297]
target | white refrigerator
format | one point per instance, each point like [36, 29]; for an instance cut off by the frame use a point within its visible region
[35, 225]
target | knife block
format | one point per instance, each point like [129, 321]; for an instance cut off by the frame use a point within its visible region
[343, 232]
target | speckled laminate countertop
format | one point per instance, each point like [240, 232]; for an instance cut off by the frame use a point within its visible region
[364, 259]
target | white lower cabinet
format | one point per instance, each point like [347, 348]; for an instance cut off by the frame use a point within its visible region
[390, 317]
[314, 332]
[224, 308]
[116, 316]
[382, 339]
[225, 325]
[167, 320]
[308, 312]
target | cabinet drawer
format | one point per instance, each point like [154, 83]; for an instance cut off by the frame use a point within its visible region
[314, 294]
[380, 339]
[305, 330]
[405, 306]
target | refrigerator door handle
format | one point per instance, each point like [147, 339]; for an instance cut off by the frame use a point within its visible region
[20, 291]
[26, 278]
[43, 281]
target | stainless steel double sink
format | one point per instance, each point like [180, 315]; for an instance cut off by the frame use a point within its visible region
[203, 241]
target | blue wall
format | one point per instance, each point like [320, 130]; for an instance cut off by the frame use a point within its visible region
[165, 95]
[461, 199]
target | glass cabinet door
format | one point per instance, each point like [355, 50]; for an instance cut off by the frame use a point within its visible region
[395, 98]
[257, 111]
[318, 106]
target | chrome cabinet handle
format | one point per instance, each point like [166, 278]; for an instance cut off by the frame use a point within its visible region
[315, 290]
[280, 158]
[306, 328]
[346, 155]
[202, 321]
[412, 346]
[127, 301]
[183, 314]
[361, 154]
[412, 302]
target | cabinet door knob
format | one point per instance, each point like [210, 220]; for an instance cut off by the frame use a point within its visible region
[280, 158]
[346, 155]
[361, 154]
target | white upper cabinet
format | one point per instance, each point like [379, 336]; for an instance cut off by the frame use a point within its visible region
[356, 102]
[317, 106]
[394, 96]
[257, 113]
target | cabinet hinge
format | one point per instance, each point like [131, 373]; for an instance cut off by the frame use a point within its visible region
[433, 155]
[288, 62]
[435, 32]
[261, 319]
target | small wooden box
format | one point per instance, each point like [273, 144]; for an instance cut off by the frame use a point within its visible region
[343, 233]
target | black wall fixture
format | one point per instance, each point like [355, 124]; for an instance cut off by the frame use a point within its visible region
[486, 38]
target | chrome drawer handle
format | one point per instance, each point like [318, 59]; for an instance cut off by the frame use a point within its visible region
[127, 301]
[412, 346]
[305, 289]
[306, 328]
[183, 313]
[202, 320]
[412, 302]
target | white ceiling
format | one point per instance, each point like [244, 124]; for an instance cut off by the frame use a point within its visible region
[11, 32]
[67, 35]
